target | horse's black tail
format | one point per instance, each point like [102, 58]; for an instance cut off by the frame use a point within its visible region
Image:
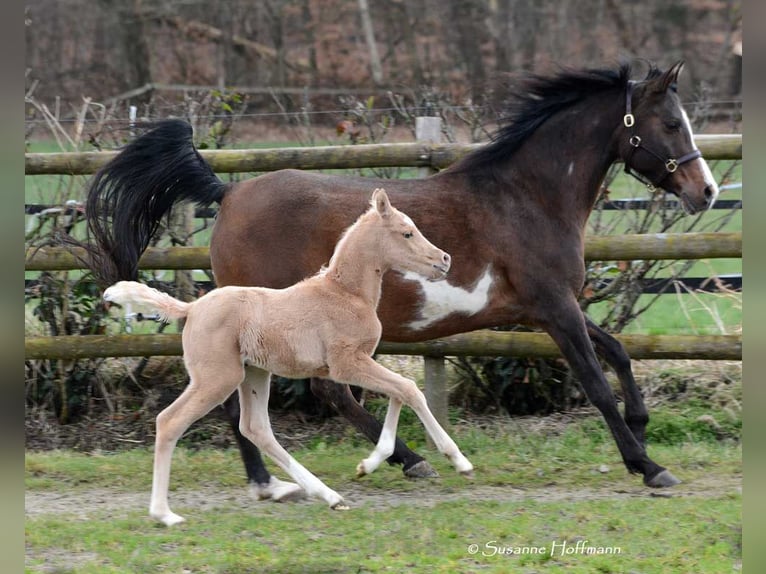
[130, 195]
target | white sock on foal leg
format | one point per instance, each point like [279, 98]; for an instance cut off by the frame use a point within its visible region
[277, 490]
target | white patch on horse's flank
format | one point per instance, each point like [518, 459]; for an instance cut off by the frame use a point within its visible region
[570, 169]
[709, 178]
[441, 299]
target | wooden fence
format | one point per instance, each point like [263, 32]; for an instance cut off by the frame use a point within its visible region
[427, 157]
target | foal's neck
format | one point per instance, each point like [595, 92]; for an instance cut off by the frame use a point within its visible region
[357, 265]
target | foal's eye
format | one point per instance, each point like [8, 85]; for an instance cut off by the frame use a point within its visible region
[407, 234]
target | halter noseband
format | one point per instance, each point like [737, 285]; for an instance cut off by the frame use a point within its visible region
[671, 164]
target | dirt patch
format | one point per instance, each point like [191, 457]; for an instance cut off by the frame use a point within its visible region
[107, 503]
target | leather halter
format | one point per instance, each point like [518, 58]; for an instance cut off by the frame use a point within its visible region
[671, 164]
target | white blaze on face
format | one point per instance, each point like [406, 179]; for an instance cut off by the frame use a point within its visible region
[441, 299]
[709, 178]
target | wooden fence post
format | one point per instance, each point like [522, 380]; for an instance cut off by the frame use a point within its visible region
[428, 129]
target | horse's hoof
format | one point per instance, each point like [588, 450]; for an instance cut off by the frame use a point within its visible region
[339, 506]
[468, 474]
[360, 470]
[421, 469]
[664, 479]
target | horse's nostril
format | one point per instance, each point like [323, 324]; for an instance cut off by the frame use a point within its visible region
[708, 193]
[446, 258]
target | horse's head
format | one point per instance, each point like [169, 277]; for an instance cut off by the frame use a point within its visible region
[657, 144]
[403, 245]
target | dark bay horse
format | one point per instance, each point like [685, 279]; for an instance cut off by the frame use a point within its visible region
[512, 214]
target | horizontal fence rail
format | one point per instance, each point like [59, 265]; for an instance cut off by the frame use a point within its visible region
[655, 246]
[436, 156]
[211, 212]
[478, 343]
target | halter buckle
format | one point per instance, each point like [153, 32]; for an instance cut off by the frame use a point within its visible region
[635, 141]
[671, 165]
[629, 120]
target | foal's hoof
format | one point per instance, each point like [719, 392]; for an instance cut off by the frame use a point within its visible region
[467, 474]
[277, 490]
[663, 479]
[339, 506]
[421, 469]
[169, 519]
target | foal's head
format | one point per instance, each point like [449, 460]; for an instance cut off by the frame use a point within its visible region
[658, 142]
[402, 245]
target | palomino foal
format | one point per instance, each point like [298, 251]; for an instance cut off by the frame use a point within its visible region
[324, 326]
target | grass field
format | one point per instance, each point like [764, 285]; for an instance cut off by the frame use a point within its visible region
[539, 487]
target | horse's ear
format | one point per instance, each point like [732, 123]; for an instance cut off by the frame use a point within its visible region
[381, 202]
[669, 80]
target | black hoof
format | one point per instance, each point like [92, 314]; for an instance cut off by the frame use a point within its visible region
[421, 470]
[663, 479]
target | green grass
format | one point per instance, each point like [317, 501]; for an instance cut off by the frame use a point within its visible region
[531, 489]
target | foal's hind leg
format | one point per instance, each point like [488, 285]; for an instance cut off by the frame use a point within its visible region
[636, 413]
[255, 425]
[339, 397]
[206, 389]
[262, 484]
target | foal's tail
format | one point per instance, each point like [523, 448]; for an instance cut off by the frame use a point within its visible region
[146, 298]
[130, 195]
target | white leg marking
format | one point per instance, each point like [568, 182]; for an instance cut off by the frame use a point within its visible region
[277, 490]
[385, 446]
[441, 299]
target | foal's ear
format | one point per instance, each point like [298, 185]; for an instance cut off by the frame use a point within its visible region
[381, 202]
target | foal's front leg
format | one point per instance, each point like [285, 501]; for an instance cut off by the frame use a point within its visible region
[363, 371]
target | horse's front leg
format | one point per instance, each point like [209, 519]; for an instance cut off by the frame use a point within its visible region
[568, 329]
[385, 445]
[340, 398]
[363, 371]
[636, 413]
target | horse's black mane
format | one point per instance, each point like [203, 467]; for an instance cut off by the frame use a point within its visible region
[536, 100]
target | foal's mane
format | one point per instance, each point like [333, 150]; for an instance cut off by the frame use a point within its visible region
[537, 99]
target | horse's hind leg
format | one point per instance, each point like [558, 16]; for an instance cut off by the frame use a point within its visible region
[262, 484]
[339, 397]
[255, 425]
[636, 413]
[206, 389]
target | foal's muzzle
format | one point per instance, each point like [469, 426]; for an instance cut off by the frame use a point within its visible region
[442, 267]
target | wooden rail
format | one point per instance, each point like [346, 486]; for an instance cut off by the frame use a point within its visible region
[653, 246]
[475, 344]
[436, 156]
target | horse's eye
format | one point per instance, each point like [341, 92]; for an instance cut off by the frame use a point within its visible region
[673, 125]
[407, 234]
